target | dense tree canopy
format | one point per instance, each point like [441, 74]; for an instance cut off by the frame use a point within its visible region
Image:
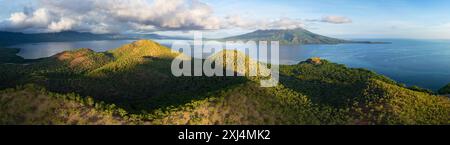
[445, 90]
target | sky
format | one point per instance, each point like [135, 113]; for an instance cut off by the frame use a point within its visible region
[417, 19]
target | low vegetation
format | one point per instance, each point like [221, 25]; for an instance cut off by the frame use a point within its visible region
[133, 84]
[31, 104]
[8, 55]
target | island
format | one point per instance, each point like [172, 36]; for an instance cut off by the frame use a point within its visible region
[292, 37]
[133, 84]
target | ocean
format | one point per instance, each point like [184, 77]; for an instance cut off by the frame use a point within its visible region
[425, 63]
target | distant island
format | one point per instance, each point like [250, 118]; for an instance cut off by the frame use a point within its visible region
[293, 37]
[285, 36]
[14, 38]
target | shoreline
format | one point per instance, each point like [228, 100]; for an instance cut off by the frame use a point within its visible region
[297, 61]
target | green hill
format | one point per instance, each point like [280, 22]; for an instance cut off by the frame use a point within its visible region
[445, 90]
[133, 84]
[291, 37]
[34, 105]
[8, 55]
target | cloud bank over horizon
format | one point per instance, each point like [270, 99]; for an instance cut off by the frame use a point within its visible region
[135, 16]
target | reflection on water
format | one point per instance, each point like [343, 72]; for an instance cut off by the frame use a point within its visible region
[413, 62]
[46, 49]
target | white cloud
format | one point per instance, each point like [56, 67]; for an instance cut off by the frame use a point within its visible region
[336, 19]
[62, 25]
[285, 23]
[111, 16]
[332, 20]
[23, 21]
[105, 16]
[247, 23]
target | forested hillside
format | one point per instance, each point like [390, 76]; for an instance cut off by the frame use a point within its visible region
[133, 84]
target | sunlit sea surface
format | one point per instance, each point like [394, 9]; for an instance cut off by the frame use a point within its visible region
[425, 63]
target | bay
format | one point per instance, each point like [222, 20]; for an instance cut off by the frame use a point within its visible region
[425, 63]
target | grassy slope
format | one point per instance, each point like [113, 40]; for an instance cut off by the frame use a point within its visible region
[137, 79]
[34, 105]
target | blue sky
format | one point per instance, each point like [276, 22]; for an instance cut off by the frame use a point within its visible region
[424, 19]
[11, 6]
[371, 18]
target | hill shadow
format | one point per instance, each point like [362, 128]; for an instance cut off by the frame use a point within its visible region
[329, 83]
[143, 87]
[322, 92]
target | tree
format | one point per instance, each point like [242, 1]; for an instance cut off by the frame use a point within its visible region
[445, 90]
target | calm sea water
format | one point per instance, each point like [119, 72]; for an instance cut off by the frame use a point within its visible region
[424, 63]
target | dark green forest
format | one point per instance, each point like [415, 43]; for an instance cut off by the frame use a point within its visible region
[133, 84]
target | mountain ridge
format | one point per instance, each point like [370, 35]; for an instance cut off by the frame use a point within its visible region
[292, 37]
[14, 38]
